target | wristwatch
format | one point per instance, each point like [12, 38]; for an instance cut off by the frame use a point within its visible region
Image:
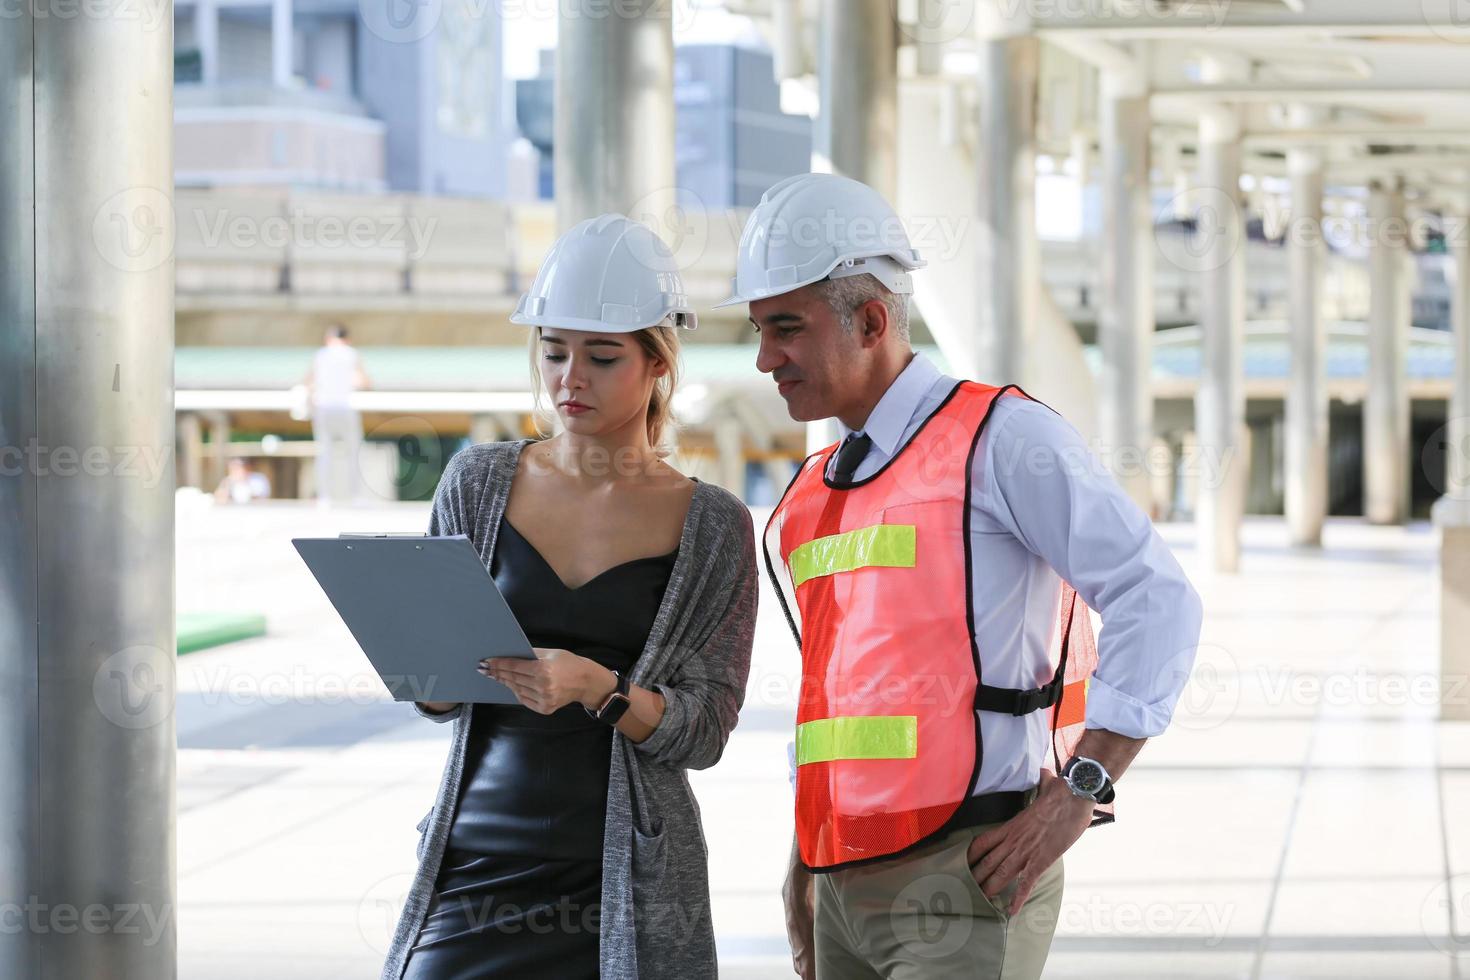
[1088, 779]
[616, 704]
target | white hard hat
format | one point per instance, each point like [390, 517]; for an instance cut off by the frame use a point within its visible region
[819, 226]
[606, 275]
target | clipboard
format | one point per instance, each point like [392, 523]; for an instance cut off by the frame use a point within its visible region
[424, 610]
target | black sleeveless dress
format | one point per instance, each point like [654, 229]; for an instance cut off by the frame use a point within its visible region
[519, 890]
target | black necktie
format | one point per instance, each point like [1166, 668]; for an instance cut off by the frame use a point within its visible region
[852, 452]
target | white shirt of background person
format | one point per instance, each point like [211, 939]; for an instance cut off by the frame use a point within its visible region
[334, 372]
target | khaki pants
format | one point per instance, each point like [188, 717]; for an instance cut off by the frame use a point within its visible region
[923, 917]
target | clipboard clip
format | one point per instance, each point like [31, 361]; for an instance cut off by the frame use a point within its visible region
[388, 534]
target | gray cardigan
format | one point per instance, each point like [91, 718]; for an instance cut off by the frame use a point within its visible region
[655, 915]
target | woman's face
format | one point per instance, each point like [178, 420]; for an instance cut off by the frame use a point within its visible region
[599, 382]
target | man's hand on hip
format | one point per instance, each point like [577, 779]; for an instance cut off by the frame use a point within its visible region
[1023, 847]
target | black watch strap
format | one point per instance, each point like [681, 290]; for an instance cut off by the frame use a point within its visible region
[616, 705]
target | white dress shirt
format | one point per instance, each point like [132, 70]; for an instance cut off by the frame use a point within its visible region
[1042, 506]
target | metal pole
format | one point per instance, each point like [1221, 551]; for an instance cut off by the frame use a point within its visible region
[1386, 409]
[615, 112]
[191, 451]
[206, 33]
[1005, 157]
[788, 53]
[1306, 396]
[1457, 462]
[281, 25]
[929, 36]
[1452, 511]
[1220, 402]
[857, 125]
[1126, 314]
[484, 427]
[219, 448]
[729, 436]
[86, 549]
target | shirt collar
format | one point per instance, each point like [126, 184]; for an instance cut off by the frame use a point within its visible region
[891, 416]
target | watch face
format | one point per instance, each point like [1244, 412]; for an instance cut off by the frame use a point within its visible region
[1087, 777]
[617, 702]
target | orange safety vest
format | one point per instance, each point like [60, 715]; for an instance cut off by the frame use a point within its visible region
[888, 735]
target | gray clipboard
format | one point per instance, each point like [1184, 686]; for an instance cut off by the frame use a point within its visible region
[424, 610]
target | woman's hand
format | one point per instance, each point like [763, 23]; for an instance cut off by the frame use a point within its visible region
[555, 679]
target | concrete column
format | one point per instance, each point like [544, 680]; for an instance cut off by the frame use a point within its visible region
[1126, 310]
[1386, 409]
[1220, 401]
[281, 23]
[1452, 511]
[729, 437]
[1161, 479]
[856, 131]
[511, 423]
[857, 126]
[755, 431]
[787, 50]
[87, 739]
[615, 112]
[206, 33]
[1187, 478]
[484, 428]
[219, 449]
[1008, 276]
[931, 31]
[191, 451]
[1306, 395]
[1457, 461]
[1454, 615]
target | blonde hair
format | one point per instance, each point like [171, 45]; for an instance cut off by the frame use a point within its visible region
[661, 343]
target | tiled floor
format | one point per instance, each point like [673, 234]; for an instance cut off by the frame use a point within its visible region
[1306, 816]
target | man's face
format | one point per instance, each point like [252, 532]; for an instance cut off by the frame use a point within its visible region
[805, 350]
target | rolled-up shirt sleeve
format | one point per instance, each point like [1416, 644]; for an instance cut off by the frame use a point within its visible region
[1040, 481]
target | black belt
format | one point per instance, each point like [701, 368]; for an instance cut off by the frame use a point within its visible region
[991, 808]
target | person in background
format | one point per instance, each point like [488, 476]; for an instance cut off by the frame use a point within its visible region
[336, 372]
[242, 484]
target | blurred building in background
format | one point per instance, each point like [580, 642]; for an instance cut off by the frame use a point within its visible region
[332, 168]
[316, 96]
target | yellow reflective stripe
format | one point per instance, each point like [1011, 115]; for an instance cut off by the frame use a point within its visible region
[882, 545]
[857, 737]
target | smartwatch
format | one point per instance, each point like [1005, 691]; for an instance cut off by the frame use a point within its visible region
[616, 704]
[1088, 779]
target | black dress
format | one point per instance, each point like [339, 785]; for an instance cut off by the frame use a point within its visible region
[519, 890]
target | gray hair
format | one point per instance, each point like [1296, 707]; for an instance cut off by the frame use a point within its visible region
[845, 295]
